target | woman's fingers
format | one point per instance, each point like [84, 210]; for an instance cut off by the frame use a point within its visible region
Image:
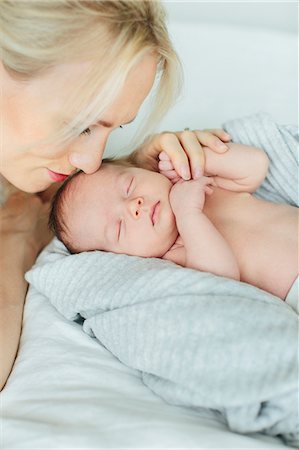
[219, 132]
[214, 138]
[186, 153]
[193, 149]
[183, 150]
[171, 144]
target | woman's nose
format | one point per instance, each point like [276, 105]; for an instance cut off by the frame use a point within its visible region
[135, 207]
[89, 162]
[88, 158]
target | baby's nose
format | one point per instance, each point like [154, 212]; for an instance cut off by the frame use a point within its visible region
[135, 207]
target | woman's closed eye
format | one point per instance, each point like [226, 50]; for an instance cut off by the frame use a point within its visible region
[88, 130]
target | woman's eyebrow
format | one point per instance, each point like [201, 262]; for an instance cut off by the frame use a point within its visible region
[103, 123]
[106, 124]
[130, 121]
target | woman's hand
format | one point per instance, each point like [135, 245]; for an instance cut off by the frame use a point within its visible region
[24, 227]
[180, 155]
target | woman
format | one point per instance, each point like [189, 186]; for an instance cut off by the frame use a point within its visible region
[71, 72]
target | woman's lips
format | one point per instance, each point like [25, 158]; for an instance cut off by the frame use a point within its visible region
[57, 176]
[155, 213]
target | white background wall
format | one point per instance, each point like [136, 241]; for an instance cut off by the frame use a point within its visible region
[239, 58]
[281, 15]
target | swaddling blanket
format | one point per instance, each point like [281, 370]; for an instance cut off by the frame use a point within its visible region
[199, 340]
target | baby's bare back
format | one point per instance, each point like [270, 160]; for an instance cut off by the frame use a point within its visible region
[262, 235]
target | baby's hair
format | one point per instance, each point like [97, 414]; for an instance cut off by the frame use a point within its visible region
[56, 222]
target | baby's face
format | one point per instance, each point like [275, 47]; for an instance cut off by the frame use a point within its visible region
[121, 210]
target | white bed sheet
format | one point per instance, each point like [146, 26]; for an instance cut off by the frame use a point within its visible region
[67, 391]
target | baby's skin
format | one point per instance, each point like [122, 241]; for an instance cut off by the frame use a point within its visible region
[236, 235]
[213, 224]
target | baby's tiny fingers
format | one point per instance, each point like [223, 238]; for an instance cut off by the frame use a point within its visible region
[212, 182]
[208, 190]
[175, 179]
[163, 156]
[165, 165]
[171, 175]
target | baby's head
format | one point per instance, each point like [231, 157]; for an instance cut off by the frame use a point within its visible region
[119, 208]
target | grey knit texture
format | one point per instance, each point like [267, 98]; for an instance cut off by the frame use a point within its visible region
[280, 142]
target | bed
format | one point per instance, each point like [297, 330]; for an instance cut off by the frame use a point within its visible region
[67, 391]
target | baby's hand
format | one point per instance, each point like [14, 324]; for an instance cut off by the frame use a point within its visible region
[187, 196]
[167, 169]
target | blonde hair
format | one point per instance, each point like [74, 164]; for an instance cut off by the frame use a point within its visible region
[114, 35]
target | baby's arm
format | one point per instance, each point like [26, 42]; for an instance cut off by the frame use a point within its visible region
[241, 168]
[204, 248]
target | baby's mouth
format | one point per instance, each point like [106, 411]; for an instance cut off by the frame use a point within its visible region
[155, 212]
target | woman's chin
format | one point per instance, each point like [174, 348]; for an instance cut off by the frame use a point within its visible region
[32, 187]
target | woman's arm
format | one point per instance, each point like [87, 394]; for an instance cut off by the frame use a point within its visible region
[13, 289]
[204, 247]
[23, 232]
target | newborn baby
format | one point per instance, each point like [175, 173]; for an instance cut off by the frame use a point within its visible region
[213, 224]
